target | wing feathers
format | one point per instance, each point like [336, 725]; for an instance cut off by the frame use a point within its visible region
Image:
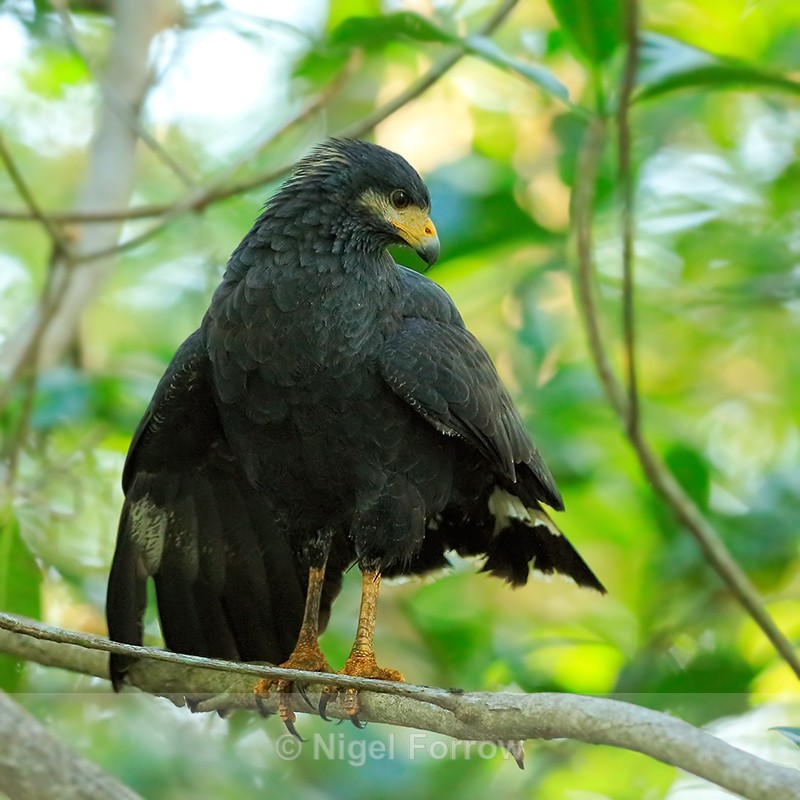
[447, 377]
[227, 581]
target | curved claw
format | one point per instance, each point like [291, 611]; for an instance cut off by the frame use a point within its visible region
[262, 707]
[292, 730]
[357, 722]
[301, 690]
[324, 699]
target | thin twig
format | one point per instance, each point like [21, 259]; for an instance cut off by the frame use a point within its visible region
[59, 242]
[583, 212]
[60, 247]
[216, 190]
[28, 370]
[128, 116]
[661, 479]
[320, 102]
[627, 213]
[427, 80]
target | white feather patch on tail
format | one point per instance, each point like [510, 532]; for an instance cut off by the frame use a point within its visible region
[504, 506]
[542, 517]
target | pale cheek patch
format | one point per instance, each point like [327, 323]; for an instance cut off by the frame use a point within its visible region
[377, 204]
[412, 222]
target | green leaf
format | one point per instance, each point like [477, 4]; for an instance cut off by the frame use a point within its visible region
[341, 10]
[487, 50]
[592, 27]
[691, 470]
[375, 32]
[53, 70]
[668, 64]
[792, 734]
[20, 588]
[321, 65]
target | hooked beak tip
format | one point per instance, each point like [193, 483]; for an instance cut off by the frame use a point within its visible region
[428, 249]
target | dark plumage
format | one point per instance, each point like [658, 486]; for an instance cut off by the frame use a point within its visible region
[332, 408]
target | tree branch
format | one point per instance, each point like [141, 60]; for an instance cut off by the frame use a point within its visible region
[60, 249]
[217, 190]
[210, 684]
[35, 764]
[661, 479]
[116, 103]
[60, 245]
[627, 208]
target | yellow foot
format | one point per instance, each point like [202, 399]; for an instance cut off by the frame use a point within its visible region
[306, 656]
[359, 665]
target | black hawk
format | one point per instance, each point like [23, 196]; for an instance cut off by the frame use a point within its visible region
[331, 409]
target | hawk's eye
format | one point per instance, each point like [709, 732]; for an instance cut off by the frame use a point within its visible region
[399, 199]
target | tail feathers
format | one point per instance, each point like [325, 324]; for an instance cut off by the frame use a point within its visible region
[527, 538]
[512, 537]
[227, 582]
[524, 537]
[126, 601]
[264, 593]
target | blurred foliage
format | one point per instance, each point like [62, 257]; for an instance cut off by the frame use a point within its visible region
[793, 734]
[20, 589]
[718, 303]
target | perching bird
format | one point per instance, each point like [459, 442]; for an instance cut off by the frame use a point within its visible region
[331, 409]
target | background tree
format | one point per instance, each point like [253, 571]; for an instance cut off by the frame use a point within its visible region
[140, 140]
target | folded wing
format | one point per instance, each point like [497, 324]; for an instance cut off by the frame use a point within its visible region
[227, 582]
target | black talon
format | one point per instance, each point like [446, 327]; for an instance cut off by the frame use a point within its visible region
[358, 723]
[291, 728]
[301, 690]
[324, 699]
[262, 708]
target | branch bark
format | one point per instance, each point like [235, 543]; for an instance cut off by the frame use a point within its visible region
[60, 245]
[35, 764]
[209, 684]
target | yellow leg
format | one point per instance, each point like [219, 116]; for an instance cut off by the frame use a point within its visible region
[306, 654]
[361, 661]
